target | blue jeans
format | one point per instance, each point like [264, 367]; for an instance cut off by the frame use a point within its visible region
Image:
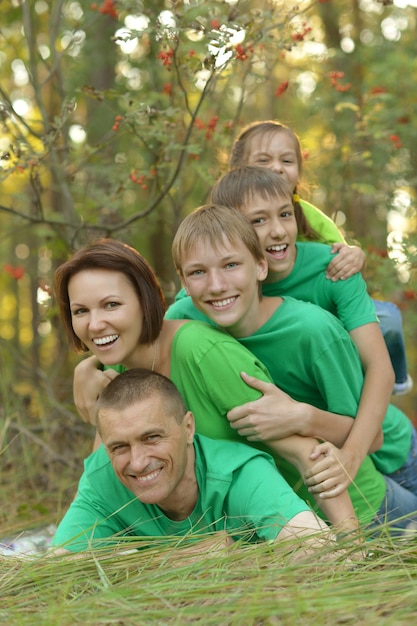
[390, 322]
[398, 509]
[406, 476]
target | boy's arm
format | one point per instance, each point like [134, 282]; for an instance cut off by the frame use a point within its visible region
[276, 415]
[366, 429]
[297, 450]
[376, 393]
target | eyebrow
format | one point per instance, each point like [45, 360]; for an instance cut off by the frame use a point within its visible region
[227, 257]
[106, 298]
[146, 433]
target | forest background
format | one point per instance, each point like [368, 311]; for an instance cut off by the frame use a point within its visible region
[117, 117]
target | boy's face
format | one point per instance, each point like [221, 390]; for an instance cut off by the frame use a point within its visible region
[223, 283]
[275, 224]
[276, 151]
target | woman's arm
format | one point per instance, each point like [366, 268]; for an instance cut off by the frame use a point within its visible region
[85, 395]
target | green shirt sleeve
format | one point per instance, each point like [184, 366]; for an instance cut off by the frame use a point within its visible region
[322, 224]
[261, 496]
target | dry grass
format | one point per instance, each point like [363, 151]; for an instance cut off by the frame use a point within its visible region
[249, 585]
[40, 462]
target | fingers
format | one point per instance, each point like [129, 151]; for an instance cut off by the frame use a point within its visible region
[111, 374]
[261, 385]
[326, 478]
[330, 490]
[328, 484]
[338, 269]
[348, 260]
[320, 449]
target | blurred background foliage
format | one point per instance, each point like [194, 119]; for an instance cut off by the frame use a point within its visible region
[117, 116]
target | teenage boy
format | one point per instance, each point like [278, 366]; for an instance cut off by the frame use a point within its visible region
[307, 351]
[297, 269]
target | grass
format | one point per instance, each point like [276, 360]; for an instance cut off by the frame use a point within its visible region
[250, 585]
[40, 463]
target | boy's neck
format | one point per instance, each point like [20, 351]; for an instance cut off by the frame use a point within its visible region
[249, 326]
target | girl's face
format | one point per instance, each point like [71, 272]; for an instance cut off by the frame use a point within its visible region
[276, 151]
[275, 224]
[106, 314]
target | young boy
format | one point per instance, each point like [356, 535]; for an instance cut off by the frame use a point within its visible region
[319, 364]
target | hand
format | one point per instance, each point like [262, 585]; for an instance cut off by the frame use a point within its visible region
[270, 417]
[348, 260]
[334, 471]
[85, 395]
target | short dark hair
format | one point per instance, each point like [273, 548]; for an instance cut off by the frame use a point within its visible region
[110, 254]
[139, 384]
[239, 185]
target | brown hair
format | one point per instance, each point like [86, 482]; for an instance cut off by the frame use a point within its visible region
[213, 222]
[139, 384]
[241, 147]
[115, 256]
[238, 187]
[239, 157]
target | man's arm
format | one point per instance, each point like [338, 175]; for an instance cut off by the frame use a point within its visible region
[305, 524]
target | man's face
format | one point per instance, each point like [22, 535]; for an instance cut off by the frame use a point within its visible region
[151, 454]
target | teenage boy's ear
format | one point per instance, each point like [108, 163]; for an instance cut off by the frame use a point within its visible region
[262, 270]
[184, 284]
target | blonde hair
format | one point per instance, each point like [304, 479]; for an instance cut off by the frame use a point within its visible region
[214, 222]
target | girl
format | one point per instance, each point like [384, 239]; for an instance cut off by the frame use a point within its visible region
[275, 146]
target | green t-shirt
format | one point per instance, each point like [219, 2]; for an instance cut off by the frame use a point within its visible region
[324, 370]
[240, 491]
[346, 299]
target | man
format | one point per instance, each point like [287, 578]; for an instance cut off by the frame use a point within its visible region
[154, 477]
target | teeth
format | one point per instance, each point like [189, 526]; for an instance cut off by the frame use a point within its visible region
[277, 248]
[222, 303]
[102, 341]
[148, 477]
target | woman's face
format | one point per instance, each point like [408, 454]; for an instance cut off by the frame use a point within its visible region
[106, 314]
